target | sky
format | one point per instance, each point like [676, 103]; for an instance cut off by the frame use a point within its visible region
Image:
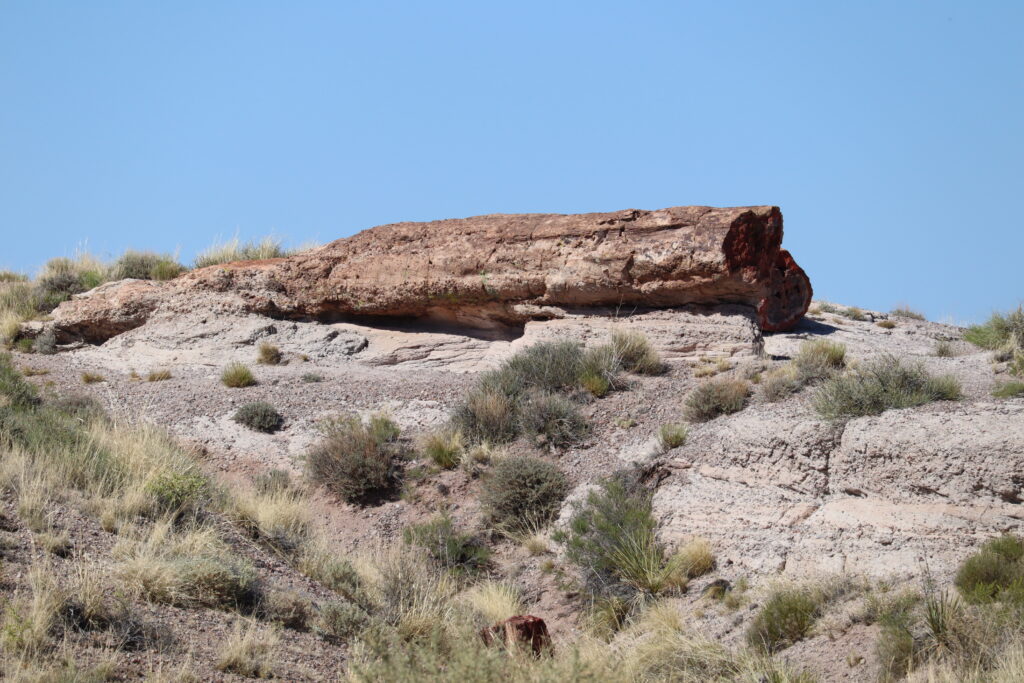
[890, 133]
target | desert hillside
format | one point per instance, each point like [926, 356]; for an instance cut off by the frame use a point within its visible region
[358, 461]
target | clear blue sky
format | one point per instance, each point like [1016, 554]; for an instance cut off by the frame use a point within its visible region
[890, 133]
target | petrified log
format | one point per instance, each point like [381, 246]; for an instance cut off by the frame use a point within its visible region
[520, 631]
[489, 270]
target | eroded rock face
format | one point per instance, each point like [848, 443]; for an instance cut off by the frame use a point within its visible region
[489, 270]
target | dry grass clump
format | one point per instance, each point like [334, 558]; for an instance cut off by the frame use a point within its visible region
[237, 375]
[259, 416]
[92, 378]
[715, 397]
[672, 436]
[552, 419]
[881, 385]
[906, 312]
[145, 265]
[444, 447]
[341, 621]
[1011, 389]
[854, 313]
[268, 354]
[453, 550]
[235, 250]
[944, 349]
[356, 459]
[1003, 334]
[158, 376]
[285, 608]
[886, 324]
[636, 354]
[519, 491]
[279, 517]
[249, 651]
[494, 601]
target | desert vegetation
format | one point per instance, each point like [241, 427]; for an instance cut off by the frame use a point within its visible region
[259, 416]
[237, 376]
[715, 397]
[1003, 334]
[817, 359]
[355, 458]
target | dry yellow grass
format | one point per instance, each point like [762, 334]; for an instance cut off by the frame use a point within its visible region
[494, 601]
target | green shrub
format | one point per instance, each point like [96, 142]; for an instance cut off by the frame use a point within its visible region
[259, 416]
[237, 375]
[672, 435]
[487, 415]
[552, 418]
[1009, 390]
[785, 618]
[905, 312]
[600, 369]
[636, 354]
[62, 278]
[444, 447]
[178, 492]
[235, 250]
[818, 359]
[146, 265]
[1000, 330]
[20, 393]
[881, 385]
[612, 540]
[854, 313]
[354, 460]
[996, 572]
[715, 397]
[268, 354]
[523, 491]
[341, 621]
[450, 549]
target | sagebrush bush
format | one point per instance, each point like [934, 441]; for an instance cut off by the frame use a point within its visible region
[237, 375]
[612, 540]
[672, 435]
[287, 608]
[854, 313]
[881, 385]
[996, 572]
[145, 265]
[444, 447]
[259, 416]
[715, 397]
[636, 354]
[487, 415]
[268, 354]
[451, 549]
[341, 621]
[519, 491]
[552, 418]
[785, 618]
[819, 358]
[354, 459]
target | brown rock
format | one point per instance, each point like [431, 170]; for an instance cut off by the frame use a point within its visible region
[519, 631]
[491, 270]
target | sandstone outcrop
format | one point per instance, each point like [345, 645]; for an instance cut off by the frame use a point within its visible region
[487, 271]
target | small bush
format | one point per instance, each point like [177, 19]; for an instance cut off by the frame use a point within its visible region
[158, 376]
[450, 549]
[715, 397]
[259, 416]
[905, 312]
[92, 378]
[1009, 390]
[886, 324]
[487, 415]
[62, 278]
[785, 618]
[882, 385]
[999, 331]
[274, 482]
[146, 265]
[249, 652]
[996, 572]
[599, 370]
[672, 436]
[444, 447]
[178, 492]
[818, 359]
[636, 354]
[854, 313]
[287, 608]
[341, 621]
[552, 418]
[612, 540]
[237, 375]
[779, 383]
[312, 377]
[268, 354]
[520, 491]
[13, 386]
[944, 349]
[235, 250]
[354, 460]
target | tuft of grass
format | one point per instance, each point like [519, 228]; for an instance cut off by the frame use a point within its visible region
[996, 572]
[636, 354]
[268, 354]
[886, 324]
[62, 278]
[92, 378]
[444, 447]
[249, 652]
[288, 609]
[552, 419]
[494, 601]
[695, 558]
[944, 349]
[881, 385]
[488, 415]
[259, 416]
[785, 618]
[58, 544]
[341, 621]
[715, 397]
[312, 377]
[906, 312]
[146, 265]
[355, 459]
[1003, 334]
[450, 549]
[672, 435]
[818, 359]
[1011, 389]
[518, 491]
[158, 376]
[237, 375]
[234, 250]
[854, 313]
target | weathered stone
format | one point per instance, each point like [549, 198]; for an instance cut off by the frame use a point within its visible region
[488, 271]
